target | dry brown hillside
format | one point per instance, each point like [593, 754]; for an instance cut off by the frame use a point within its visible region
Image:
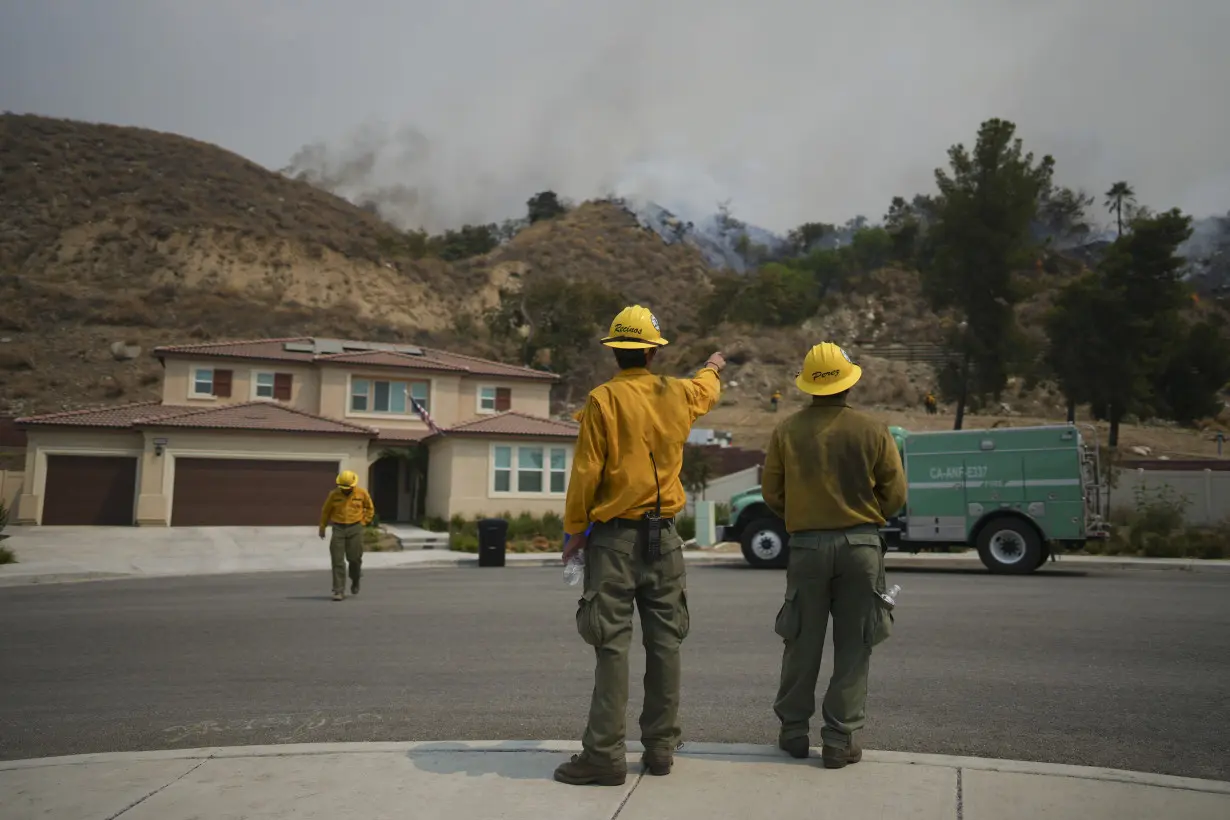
[112, 234]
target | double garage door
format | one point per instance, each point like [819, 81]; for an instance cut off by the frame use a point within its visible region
[222, 492]
[102, 491]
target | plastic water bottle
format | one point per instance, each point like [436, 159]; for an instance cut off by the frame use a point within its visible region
[891, 595]
[574, 570]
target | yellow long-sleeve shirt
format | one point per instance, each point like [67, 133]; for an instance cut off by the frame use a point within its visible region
[830, 467]
[624, 420]
[347, 509]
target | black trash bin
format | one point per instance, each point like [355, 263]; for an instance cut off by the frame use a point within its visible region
[492, 542]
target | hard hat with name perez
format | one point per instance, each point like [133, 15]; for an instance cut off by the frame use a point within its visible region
[827, 370]
[347, 479]
[635, 328]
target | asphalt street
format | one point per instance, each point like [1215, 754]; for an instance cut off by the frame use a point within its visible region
[1119, 669]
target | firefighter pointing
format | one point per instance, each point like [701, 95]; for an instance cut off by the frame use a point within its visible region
[834, 475]
[625, 483]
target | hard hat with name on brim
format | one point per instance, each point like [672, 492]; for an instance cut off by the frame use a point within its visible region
[827, 370]
[635, 328]
[347, 479]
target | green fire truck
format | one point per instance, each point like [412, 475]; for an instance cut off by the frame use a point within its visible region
[1017, 494]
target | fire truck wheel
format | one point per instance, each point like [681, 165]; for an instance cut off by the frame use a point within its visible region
[766, 543]
[1010, 546]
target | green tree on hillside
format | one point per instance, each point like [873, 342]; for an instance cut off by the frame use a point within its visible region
[1064, 213]
[904, 228]
[774, 295]
[1117, 332]
[1189, 388]
[553, 318]
[544, 205]
[467, 241]
[1120, 199]
[981, 234]
[805, 236]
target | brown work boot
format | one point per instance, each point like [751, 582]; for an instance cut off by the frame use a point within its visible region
[581, 771]
[337, 596]
[798, 747]
[657, 763]
[835, 758]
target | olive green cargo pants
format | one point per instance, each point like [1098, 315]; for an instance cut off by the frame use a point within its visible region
[617, 576]
[836, 572]
[346, 545]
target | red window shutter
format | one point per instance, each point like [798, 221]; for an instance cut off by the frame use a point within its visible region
[503, 399]
[222, 384]
[281, 386]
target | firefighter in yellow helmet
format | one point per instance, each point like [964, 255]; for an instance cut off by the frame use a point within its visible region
[348, 508]
[834, 474]
[623, 495]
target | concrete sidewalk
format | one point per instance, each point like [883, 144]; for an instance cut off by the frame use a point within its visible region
[65, 554]
[513, 780]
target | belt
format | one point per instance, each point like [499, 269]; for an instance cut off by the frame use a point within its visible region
[637, 523]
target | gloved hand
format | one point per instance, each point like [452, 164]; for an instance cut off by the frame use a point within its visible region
[322, 533]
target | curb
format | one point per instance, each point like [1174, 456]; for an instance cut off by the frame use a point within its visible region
[447, 560]
[729, 750]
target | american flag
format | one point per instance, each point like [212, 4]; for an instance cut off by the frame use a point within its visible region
[425, 416]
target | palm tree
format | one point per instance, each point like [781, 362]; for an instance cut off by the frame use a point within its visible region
[1119, 195]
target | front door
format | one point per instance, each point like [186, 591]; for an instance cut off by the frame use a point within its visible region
[385, 487]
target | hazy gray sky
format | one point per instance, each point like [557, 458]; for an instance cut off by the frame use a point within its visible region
[794, 111]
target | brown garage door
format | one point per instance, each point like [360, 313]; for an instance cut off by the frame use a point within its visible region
[85, 490]
[225, 492]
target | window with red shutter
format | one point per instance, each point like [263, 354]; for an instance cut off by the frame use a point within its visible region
[503, 399]
[281, 386]
[222, 384]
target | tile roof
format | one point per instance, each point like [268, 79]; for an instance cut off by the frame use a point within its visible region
[272, 349]
[256, 415]
[386, 358]
[120, 417]
[390, 436]
[513, 423]
[430, 358]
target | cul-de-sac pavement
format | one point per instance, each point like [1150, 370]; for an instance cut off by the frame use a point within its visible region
[1115, 670]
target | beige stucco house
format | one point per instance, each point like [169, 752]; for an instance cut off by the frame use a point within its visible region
[252, 433]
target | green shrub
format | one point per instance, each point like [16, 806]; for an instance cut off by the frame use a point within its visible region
[1155, 528]
[526, 532]
[7, 556]
[685, 526]
[435, 523]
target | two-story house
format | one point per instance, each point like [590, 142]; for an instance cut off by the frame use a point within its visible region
[252, 433]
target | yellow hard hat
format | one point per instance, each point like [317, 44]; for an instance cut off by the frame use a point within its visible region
[827, 370]
[635, 328]
[347, 478]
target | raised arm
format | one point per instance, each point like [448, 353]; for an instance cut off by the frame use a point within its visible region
[704, 389]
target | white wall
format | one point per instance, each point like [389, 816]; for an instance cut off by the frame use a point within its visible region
[721, 490]
[1207, 490]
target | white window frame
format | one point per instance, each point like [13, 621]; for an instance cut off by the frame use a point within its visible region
[255, 388]
[409, 413]
[513, 469]
[192, 383]
[479, 408]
